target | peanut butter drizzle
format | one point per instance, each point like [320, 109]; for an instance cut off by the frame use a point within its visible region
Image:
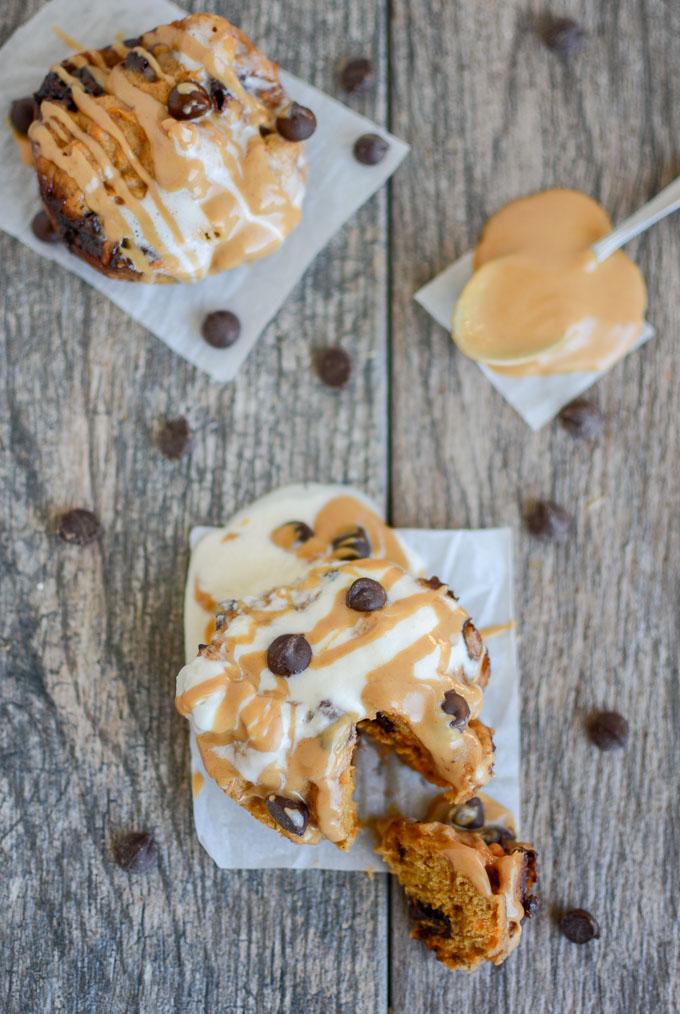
[497, 628]
[247, 210]
[538, 301]
[254, 717]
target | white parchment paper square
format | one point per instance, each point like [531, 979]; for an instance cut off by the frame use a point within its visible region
[337, 186]
[478, 566]
[536, 399]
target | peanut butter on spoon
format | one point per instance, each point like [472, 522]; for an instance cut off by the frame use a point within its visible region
[539, 301]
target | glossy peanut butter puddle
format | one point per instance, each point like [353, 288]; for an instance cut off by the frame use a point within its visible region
[538, 301]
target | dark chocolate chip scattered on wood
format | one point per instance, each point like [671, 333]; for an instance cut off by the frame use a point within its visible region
[334, 366]
[79, 526]
[579, 926]
[366, 595]
[297, 123]
[289, 654]
[136, 852]
[608, 730]
[582, 419]
[564, 35]
[547, 520]
[221, 329]
[357, 76]
[370, 149]
[174, 438]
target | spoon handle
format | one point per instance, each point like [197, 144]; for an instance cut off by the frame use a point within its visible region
[665, 203]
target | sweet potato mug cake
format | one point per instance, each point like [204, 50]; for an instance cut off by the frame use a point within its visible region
[314, 627]
[171, 156]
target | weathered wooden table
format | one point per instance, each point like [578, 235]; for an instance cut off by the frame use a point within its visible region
[92, 638]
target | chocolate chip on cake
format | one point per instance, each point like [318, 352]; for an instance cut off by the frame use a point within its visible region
[473, 640]
[564, 35]
[352, 545]
[174, 438]
[366, 595]
[579, 926]
[43, 229]
[496, 835]
[385, 723]
[582, 419]
[547, 520]
[432, 582]
[138, 64]
[334, 366]
[136, 852]
[22, 114]
[221, 328]
[79, 526]
[303, 533]
[469, 815]
[430, 921]
[297, 123]
[289, 654]
[131, 43]
[608, 730]
[188, 101]
[290, 814]
[455, 704]
[357, 76]
[370, 149]
[88, 81]
[54, 89]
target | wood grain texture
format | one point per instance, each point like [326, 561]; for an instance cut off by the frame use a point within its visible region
[92, 638]
[491, 115]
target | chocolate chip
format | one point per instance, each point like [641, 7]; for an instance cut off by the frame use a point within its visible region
[290, 814]
[469, 815]
[79, 526]
[357, 76]
[22, 113]
[496, 835]
[54, 89]
[43, 229]
[494, 878]
[221, 328]
[353, 545]
[138, 64]
[131, 43]
[334, 366]
[297, 124]
[456, 705]
[431, 921]
[188, 101]
[473, 640]
[265, 131]
[219, 94]
[174, 437]
[366, 595]
[303, 533]
[531, 904]
[432, 582]
[579, 926]
[88, 81]
[370, 149]
[564, 36]
[289, 654]
[136, 852]
[582, 419]
[201, 648]
[385, 723]
[608, 730]
[547, 520]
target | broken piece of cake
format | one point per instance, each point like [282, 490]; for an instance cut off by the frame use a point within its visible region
[467, 896]
[286, 677]
[171, 156]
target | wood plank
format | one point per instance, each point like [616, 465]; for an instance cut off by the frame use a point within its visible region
[491, 115]
[92, 638]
